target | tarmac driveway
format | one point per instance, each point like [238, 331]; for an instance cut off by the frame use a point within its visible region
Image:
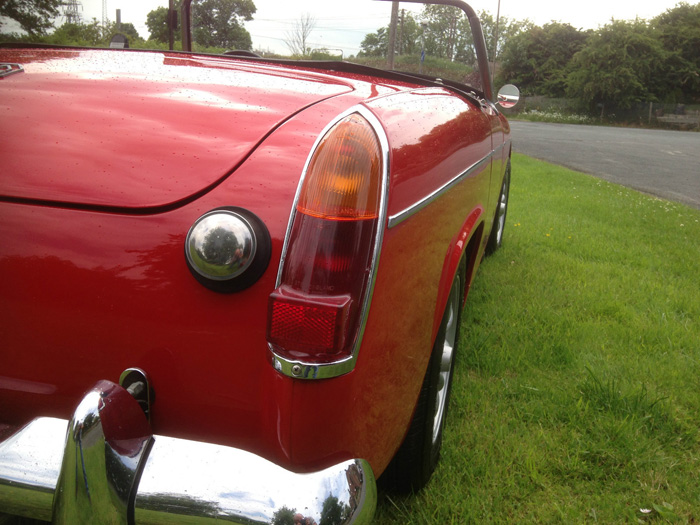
[658, 162]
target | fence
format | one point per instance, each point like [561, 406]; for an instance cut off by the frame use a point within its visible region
[647, 114]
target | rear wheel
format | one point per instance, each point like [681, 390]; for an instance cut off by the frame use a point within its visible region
[499, 221]
[416, 459]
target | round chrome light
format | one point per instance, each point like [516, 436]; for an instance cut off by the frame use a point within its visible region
[220, 245]
[223, 245]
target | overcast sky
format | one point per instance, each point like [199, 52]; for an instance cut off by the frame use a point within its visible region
[347, 27]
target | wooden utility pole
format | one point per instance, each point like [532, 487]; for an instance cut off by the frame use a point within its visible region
[403, 14]
[392, 35]
[495, 42]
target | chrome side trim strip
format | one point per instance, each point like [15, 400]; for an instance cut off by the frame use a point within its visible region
[500, 147]
[301, 369]
[398, 218]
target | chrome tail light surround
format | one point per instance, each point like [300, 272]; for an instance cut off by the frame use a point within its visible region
[303, 368]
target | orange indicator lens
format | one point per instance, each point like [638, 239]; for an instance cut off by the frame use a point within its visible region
[343, 178]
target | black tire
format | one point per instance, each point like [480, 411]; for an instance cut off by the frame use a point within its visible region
[499, 220]
[415, 461]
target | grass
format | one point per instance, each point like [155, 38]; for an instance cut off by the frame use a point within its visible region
[577, 392]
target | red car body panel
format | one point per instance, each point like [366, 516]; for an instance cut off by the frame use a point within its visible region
[96, 206]
[102, 114]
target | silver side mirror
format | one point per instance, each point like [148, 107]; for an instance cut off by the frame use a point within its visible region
[508, 96]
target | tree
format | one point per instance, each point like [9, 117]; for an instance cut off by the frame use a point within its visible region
[157, 23]
[334, 511]
[537, 60]
[215, 23]
[374, 44]
[408, 34]
[507, 30]
[448, 34]
[297, 40]
[83, 35]
[283, 516]
[91, 34]
[619, 65]
[35, 16]
[218, 23]
[679, 32]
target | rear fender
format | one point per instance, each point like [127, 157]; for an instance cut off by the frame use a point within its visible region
[472, 229]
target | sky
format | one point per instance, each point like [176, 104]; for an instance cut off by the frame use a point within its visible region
[346, 27]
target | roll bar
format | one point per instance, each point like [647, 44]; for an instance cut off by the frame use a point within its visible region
[479, 41]
[474, 23]
[185, 8]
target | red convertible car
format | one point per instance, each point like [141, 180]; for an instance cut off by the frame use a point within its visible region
[230, 287]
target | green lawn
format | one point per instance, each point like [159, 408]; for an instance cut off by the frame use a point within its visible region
[577, 392]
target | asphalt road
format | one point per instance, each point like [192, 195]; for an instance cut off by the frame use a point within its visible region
[658, 162]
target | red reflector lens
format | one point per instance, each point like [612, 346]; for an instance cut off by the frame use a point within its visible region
[299, 326]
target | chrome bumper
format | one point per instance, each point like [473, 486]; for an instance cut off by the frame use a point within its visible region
[104, 466]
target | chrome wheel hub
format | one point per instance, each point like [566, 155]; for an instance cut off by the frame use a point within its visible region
[447, 361]
[502, 207]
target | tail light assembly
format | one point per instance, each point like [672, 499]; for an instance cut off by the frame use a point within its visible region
[318, 310]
